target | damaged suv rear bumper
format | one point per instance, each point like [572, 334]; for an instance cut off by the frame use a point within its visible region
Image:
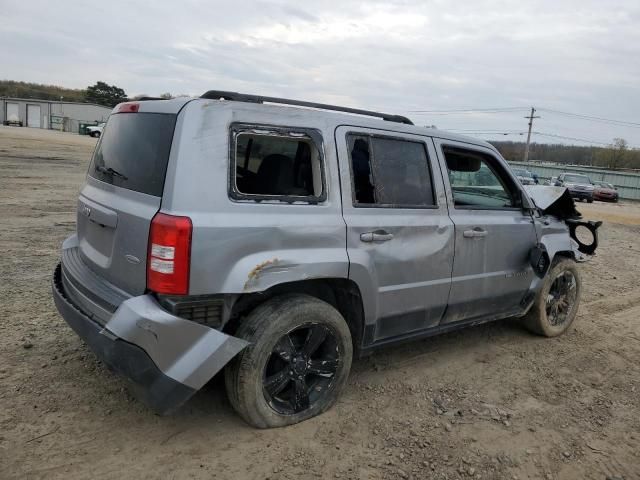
[166, 358]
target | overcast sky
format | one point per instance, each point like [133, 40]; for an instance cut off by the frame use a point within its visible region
[577, 56]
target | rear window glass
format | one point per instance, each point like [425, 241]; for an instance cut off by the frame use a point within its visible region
[134, 151]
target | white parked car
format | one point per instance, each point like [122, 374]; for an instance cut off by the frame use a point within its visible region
[96, 130]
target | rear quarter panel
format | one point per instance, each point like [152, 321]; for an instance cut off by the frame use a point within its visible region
[245, 246]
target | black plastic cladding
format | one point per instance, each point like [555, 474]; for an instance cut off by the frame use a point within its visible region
[243, 97]
[592, 227]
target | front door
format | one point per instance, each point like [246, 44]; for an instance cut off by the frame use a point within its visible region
[399, 236]
[493, 234]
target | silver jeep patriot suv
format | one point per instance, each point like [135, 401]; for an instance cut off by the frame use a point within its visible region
[276, 239]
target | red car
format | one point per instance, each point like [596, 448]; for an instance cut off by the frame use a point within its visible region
[605, 192]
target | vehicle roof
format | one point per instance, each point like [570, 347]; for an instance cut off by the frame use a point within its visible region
[292, 112]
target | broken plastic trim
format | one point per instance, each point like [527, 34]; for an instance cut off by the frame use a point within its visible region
[539, 260]
[587, 249]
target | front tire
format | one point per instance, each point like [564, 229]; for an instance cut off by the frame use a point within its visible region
[296, 365]
[95, 134]
[556, 304]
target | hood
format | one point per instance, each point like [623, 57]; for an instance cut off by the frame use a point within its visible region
[554, 201]
[579, 186]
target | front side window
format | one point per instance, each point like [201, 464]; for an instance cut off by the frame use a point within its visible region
[389, 172]
[276, 164]
[475, 181]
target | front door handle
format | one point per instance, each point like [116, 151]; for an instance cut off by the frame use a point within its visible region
[474, 233]
[377, 236]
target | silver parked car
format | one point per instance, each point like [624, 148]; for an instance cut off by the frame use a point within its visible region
[276, 242]
[524, 176]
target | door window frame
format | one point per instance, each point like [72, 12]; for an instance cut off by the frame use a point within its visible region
[390, 136]
[496, 167]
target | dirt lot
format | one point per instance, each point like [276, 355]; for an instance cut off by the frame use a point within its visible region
[488, 402]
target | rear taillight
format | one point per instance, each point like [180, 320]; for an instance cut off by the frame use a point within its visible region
[128, 107]
[169, 254]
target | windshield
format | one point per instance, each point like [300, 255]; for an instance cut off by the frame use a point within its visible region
[577, 179]
[522, 173]
[134, 151]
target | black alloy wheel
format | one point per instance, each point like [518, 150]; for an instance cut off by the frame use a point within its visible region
[561, 298]
[301, 368]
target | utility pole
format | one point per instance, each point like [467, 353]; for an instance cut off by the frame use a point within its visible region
[526, 148]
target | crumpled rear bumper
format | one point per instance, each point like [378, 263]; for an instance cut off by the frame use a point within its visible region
[166, 358]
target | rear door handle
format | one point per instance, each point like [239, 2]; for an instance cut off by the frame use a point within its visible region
[475, 233]
[377, 236]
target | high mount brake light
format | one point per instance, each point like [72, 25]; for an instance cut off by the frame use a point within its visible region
[169, 255]
[128, 107]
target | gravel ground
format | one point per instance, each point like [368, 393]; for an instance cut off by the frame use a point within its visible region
[490, 402]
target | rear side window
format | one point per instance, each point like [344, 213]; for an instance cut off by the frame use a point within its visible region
[134, 151]
[389, 172]
[277, 164]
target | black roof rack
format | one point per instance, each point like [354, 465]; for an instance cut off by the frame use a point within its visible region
[243, 97]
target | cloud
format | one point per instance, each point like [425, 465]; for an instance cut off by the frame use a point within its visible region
[398, 55]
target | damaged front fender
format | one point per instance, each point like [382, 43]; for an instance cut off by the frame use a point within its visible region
[557, 203]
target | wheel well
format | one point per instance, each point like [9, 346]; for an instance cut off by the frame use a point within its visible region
[342, 294]
[562, 254]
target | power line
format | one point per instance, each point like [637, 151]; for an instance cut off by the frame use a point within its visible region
[469, 111]
[570, 138]
[609, 121]
[485, 132]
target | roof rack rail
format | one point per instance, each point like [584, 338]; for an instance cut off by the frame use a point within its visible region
[243, 97]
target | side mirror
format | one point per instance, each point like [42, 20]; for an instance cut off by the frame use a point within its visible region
[525, 202]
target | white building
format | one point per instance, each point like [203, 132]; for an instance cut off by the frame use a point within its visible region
[51, 114]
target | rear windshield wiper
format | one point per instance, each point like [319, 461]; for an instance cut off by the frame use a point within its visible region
[110, 171]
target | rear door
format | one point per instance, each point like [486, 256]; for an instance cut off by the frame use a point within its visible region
[493, 234]
[123, 192]
[399, 236]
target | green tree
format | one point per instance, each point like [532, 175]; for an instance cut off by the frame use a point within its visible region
[105, 94]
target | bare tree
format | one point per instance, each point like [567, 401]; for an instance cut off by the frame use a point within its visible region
[618, 156]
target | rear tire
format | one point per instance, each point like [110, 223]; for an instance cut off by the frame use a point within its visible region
[590, 200]
[556, 304]
[296, 365]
